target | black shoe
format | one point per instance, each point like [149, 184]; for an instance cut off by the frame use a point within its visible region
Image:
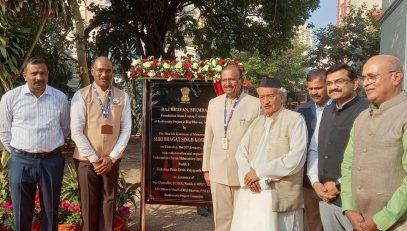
[203, 211]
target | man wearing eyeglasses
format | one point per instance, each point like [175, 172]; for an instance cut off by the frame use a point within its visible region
[333, 136]
[374, 168]
[228, 118]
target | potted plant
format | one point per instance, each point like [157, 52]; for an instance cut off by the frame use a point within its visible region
[69, 216]
[125, 196]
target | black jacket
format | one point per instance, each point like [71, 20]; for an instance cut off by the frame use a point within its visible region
[333, 137]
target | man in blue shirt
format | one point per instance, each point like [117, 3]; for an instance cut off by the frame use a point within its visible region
[312, 111]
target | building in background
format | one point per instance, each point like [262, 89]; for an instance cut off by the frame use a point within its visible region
[305, 36]
[394, 31]
[344, 5]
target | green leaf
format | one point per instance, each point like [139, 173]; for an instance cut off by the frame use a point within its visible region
[3, 42]
[3, 52]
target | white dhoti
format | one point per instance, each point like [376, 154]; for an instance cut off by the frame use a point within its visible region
[253, 212]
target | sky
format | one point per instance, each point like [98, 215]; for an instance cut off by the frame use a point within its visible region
[325, 14]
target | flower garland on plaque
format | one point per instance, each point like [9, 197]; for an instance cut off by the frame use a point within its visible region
[189, 68]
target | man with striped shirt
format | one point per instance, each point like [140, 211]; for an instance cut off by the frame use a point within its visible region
[34, 121]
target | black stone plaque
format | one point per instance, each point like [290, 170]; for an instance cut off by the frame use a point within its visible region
[173, 142]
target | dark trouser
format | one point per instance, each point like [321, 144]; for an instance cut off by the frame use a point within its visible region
[97, 193]
[312, 219]
[25, 173]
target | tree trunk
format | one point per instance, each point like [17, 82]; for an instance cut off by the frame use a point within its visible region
[80, 44]
[44, 20]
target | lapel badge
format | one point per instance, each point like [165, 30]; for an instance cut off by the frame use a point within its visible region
[116, 101]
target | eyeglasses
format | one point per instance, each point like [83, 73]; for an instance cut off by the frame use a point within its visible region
[337, 82]
[372, 78]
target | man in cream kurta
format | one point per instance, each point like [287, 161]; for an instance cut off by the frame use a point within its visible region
[228, 117]
[270, 157]
[100, 127]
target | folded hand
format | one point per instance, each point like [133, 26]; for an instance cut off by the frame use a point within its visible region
[255, 187]
[103, 165]
[322, 192]
[251, 177]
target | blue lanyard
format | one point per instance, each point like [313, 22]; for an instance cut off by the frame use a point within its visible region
[105, 110]
[226, 123]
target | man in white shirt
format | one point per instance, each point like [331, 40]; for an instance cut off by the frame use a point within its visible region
[270, 158]
[100, 127]
[34, 121]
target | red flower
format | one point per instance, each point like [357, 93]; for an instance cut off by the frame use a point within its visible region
[155, 60]
[139, 70]
[132, 75]
[117, 221]
[154, 66]
[175, 75]
[145, 74]
[7, 205]
[65, 205]
[166, 73]
[76, 226]
[158, 74]
[234, 62]
[212, 74]
[188, 75]
[201, 63]
[37, 199]
[221, 62]
[74, 208]
[200, 75]
[174, 61]
[124, 210]
[144, 60]
[187, 66]
[131, 68]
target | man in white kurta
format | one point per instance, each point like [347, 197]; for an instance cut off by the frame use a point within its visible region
[270, 157]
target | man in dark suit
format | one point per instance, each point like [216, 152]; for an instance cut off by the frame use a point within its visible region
[312, 111]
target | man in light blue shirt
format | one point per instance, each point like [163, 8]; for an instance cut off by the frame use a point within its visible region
[34, 121]
[312, 112]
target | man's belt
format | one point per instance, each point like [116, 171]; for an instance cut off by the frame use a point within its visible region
[39, 155]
